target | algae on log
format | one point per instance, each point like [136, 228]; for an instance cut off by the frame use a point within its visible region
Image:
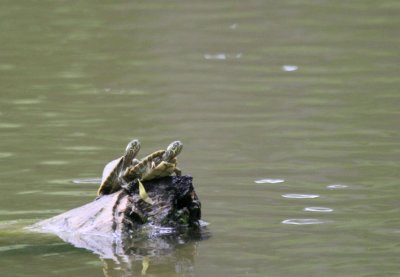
[124, 215]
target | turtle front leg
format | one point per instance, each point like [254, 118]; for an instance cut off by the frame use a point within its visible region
[128, 186]
[124, 183]
[128, 175]
[125, 179]
[177, 171]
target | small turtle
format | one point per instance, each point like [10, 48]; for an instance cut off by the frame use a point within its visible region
[156, 165]
[166, 165]
[111, 179]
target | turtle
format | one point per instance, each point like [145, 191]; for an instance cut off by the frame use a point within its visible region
[165, 165]
[159, 164]
[111, 178]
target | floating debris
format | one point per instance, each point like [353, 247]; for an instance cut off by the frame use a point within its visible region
[300, 196]
[289, 68]
[269, 181]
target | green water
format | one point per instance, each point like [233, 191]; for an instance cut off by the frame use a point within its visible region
[301, 91]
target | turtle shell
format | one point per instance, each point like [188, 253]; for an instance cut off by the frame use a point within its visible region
[110, 181]
[158, 164]
[143, 167]
[166, 165]
[163, 169]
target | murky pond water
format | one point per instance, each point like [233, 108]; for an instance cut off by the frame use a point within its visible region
[288, 110]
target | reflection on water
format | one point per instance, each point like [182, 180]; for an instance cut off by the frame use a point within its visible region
[170, 254]
[165, 250]
[180, 262]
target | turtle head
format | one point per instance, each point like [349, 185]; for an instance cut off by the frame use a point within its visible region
[173, 150]
[132, 148]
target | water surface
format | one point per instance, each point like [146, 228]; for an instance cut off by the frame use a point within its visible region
[305, 92]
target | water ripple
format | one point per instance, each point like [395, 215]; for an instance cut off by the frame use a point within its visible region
[54, 162]
[5, 155]
[337, 186]
[122, 91]
[219, 56]
[83, 148]
[318, 209]
[69, 193]
[27, 101]
[289, 68]
[222, 56]
[96, 181]
[13, 247]
[9, 125]
[300, 196]
[234, 26]
[50, 211]
[29, 192]
[303, 221]
[269, 181]
[58, 181]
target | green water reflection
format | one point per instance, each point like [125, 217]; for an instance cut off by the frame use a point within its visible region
[79, 80]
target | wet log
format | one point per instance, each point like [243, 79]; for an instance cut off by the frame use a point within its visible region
[124, 215]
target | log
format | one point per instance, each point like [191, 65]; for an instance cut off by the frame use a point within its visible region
[105, 225]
